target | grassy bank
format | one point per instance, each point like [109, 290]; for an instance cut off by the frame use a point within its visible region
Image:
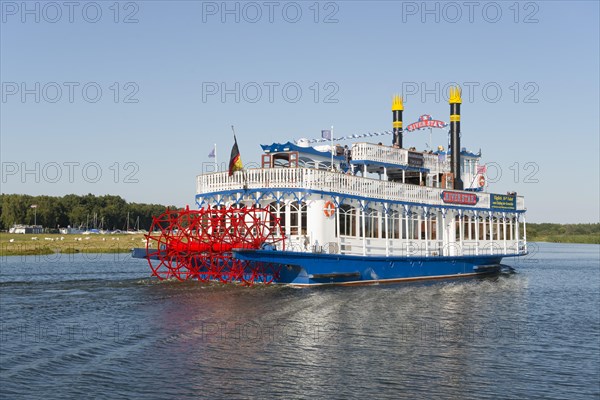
[582, 239]
[41, 244]
[564, 233]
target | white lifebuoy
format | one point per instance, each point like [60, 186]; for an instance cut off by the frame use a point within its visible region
[481, 181]
[329, 209]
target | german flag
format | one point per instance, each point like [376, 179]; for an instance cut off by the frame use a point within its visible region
[235, 161]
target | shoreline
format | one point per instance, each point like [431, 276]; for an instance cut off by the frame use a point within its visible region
[46, 244]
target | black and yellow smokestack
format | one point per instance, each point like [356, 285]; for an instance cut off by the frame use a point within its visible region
[397, 108]
[455, 102]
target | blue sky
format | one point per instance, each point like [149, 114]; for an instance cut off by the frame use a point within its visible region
[161, 66]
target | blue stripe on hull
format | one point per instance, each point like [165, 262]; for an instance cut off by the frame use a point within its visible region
[318, 269]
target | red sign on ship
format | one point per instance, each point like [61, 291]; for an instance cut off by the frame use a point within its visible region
[425, 121]
[469, 199]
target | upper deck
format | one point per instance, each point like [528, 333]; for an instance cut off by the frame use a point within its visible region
[369, 153]
[345, 185]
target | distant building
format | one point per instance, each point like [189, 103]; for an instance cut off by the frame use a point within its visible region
[26, 229]
[68, 230]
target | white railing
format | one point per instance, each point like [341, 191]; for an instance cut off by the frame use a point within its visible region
[379, 153]
[352, 245]
[330, 181]
[395, 156]
[427, 248]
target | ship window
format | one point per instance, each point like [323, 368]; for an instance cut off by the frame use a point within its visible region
[347, 220]
[457, 228]
[394, 224]
[371, 223]
[279, 162]
[498, 228]
[513, 226]
[431, 228]
[494, 228]
[298, 218]
[469, 227]
[469, 166]
[277, 210]
[412, 232]
[304, 162]
[490, 229]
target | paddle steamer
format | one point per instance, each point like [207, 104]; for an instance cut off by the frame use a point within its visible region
[376, 213]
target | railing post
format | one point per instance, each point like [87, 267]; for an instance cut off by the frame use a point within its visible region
[476, 232]
[461, 231]
[491, 232]
[504, 231]
[525, 232]
[364, 232]
[337, 221]
[386, 210]
[406, 228]
[426, 214]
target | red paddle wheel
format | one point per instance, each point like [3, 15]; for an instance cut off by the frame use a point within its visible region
[197, 244]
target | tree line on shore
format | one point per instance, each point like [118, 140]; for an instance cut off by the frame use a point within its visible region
[564, 233]
[86, 212]
[111, 213]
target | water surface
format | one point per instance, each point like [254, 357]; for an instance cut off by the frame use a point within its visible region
[95, 326]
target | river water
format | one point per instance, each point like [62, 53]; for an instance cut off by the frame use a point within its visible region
[95, 326]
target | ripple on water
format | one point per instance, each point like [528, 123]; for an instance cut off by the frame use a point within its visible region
[107, 330]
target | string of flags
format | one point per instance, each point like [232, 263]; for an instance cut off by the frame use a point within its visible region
[425, 121]
[326, 136]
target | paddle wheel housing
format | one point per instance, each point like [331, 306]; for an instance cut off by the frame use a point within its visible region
[197, 244]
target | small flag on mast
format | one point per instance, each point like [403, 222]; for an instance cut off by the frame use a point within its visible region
[235, 161]
[482, 169]
[212, 153]
[326, 134]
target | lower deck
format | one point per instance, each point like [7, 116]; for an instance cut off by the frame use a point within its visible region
[316, 223]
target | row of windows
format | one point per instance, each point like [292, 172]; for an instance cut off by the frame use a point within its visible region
[414, 227]
[374, 227]
[293, 221]
[297, 222]
[488, 229]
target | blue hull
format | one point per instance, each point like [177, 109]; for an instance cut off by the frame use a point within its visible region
[309, 269]
[303, 269]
